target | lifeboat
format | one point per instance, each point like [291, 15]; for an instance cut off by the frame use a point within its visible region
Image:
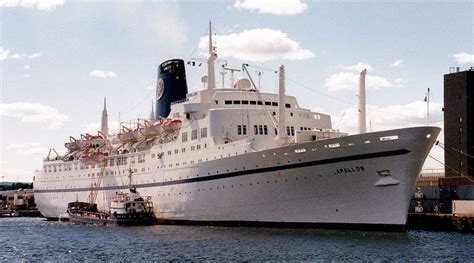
[93, 157]
[93, 141]
[128, 135]
[170, 125]
[150, 129]
[73, 144]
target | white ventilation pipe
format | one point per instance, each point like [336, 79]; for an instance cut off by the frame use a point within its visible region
[281, 106]
[362, 112]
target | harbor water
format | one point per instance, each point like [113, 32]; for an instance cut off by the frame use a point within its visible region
[35, 239]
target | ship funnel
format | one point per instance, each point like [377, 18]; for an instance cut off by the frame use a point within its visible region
[171, 86]
[362, 122]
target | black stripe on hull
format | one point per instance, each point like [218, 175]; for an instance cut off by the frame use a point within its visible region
[294, 225]
[351, 226]
[246, 172]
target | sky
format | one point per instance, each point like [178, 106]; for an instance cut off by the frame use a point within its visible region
[59, 58]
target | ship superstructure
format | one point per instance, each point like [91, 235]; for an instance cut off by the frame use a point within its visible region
[240, 156]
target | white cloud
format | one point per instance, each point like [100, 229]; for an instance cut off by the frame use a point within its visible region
[3, 53]
[26, 66]
[463, 58]
[6, 54]
[102, 74]
[397, 64]
[34, 113]
[350, 81]
[358, 67]
[35, 55]
[45, 5]
[275, 7]
[392, 116]
[93, 127]
[28, 149]
[261, 44]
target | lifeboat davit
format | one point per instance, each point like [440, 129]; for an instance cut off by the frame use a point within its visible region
[128, 135]
[170, 125]
[73, 144]
[93, 157]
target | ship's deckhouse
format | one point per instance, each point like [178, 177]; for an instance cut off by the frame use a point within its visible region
[233, 114]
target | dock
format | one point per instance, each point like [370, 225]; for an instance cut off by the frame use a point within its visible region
[441, 222]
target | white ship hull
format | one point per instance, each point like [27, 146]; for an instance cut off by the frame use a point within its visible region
[359, 180]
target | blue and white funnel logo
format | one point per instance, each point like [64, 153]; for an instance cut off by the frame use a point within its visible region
[160, 88]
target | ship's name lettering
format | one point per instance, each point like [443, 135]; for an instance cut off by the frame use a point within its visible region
[353, 169]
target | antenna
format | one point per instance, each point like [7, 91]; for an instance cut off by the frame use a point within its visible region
[232, 75]
[259, 74]
[427, 99]
[210, 62]
[223, 73]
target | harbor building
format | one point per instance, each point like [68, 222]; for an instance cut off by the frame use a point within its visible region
[459, 122]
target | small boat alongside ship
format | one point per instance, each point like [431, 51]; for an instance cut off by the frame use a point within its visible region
[126, 209]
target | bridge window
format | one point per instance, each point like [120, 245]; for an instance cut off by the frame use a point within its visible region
[245, 102]
[184, 137]
[228, 102]
[241, 129]
[290, 130]
[287, 105]
[194, 135]
[204, 132]
[252, 102]
[236, 101]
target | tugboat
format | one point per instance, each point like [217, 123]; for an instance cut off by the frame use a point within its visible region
[131, 209]
[126, 209]
[86, 213]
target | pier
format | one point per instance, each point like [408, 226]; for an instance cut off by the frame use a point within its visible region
[442, 204]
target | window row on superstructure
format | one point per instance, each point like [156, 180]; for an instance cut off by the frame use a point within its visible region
[254, 102]
[118, 161]
[194, 134]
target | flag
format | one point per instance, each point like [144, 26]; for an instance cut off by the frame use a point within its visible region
[426, 99]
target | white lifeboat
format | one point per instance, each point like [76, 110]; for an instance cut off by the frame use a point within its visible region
[128, 135]
[93, 141]
[170, 125]
[93, 157]
[150, 129]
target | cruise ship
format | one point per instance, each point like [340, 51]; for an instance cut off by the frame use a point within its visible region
[237, 156]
